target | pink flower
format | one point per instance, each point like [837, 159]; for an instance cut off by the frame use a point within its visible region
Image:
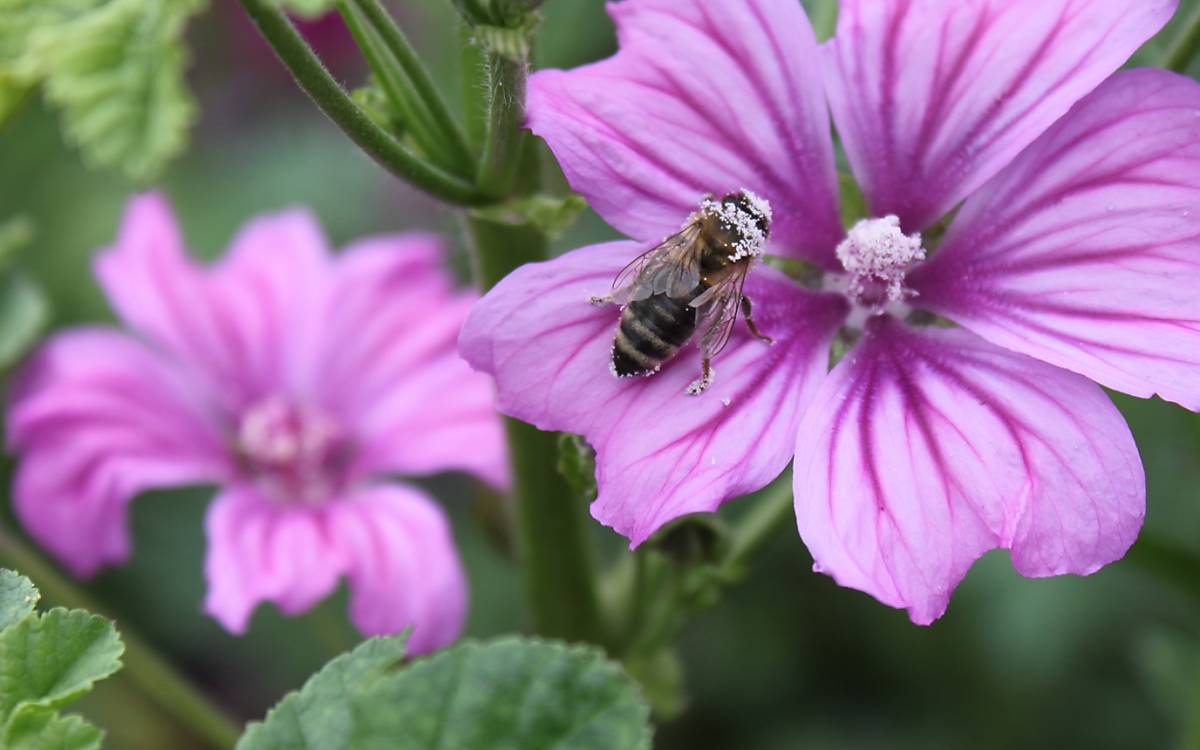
[295, 380]
[1073, 261]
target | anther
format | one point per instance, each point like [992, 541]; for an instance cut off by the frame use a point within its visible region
[877, 255]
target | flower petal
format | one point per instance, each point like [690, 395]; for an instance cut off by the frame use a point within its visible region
[391, 369]
[269, 294]
[404, 568]
[705, 96]
[391, 541]
[96, 417]
[242, 326]
[933, 97]
[660, 453]
[926, 449]
[1085, 252]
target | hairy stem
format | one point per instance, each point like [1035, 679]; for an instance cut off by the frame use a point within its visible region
[312, 76]
[153, 675]
[1183, 50]
[457, 148]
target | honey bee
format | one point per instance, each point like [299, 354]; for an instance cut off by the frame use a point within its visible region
[691, 281]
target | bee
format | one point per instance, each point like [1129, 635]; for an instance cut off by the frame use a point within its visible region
[691, 281]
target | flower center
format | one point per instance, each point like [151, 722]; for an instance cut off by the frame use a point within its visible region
[295, 454]
[877, 255]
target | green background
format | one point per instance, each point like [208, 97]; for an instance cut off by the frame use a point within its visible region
[787, 660]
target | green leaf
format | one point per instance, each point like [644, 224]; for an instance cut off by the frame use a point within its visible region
[325, 712]
[23, 314]
[511, 694]
[43, 729]
[49, 661]
[115, 70]
[18, 597]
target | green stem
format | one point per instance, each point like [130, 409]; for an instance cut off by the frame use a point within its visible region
[1183, 50]
[769, 513]
[550, 525]
[506, 138]
[152, 674]
[422, 83]
[338, 106]
[413, 118]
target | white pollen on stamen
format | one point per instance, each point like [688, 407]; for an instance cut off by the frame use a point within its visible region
[877, 249]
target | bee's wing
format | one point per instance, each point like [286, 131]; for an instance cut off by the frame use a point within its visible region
[717, 310]
[671, 268]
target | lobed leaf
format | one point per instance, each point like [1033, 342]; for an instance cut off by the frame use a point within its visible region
[50, 660]
[511, 694]
[18, 597]
[43, 729]
[115, 70]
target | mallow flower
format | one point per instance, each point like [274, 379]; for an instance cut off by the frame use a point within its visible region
[968, 415]
[298, 382]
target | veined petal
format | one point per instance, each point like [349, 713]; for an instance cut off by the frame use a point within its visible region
[705, 96]
[97, 417]
[268, 301]
[391, 541]
[391, 370]
[926, 449]
[242, 326]
[403, 566]
[933, 97]
[1085, 252]
[660, 452]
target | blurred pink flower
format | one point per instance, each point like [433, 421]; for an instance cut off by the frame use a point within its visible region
[298, 382]
[1075, 258]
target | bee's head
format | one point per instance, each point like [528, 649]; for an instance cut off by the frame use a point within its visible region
[755, 208]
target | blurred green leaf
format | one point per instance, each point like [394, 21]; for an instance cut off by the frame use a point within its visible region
[23, 314]
[18, 597]
[510, 694]
[46, 662]
[51, 660]
[115, 70]
[43, 729]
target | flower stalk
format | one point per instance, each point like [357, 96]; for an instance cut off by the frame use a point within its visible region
[316, 81]
[408, 83]
[150, 672]
[550, 526]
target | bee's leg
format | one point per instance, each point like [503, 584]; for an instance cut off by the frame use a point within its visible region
[601, 301]
[746, 311]
[701, 384]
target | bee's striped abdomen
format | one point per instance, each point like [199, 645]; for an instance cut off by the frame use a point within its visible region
[650, 332]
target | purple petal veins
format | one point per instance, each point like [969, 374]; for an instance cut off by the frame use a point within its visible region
[933, 97]
[1077, 246]
[926, 449]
